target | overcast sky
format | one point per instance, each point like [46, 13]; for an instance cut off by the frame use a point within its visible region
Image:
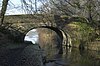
[32, 36]
[14, 7]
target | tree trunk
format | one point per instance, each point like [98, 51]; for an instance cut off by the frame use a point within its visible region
[35, 6]
[3, 10]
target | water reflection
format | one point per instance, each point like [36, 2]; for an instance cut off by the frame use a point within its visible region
[74, 57]
[70, 57]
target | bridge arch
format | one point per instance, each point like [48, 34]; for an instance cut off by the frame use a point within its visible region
[57, 30]
[63, 36]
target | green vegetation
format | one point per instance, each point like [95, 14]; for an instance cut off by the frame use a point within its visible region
[87, 32]
[81, 31]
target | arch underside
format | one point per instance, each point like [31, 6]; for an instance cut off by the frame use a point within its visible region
[59, 33]
[64, 37]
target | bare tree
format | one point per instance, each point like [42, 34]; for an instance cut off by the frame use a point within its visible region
[82, 8]
[3, 10]
[30, 6]
[88, 9]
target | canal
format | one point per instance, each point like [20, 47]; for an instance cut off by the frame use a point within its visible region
[71, 56]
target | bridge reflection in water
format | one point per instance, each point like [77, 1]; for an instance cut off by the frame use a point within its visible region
[73, 58]
[70, 57]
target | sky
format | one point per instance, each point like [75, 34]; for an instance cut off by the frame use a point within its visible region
[10, 9]
[14, 7]
[32, 36]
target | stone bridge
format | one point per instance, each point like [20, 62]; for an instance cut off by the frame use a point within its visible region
[20, 25]
[24, 24]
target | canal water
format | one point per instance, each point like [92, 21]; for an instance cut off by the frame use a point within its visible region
[70, 57]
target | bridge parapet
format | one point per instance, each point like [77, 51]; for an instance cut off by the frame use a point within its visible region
[23, 27]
